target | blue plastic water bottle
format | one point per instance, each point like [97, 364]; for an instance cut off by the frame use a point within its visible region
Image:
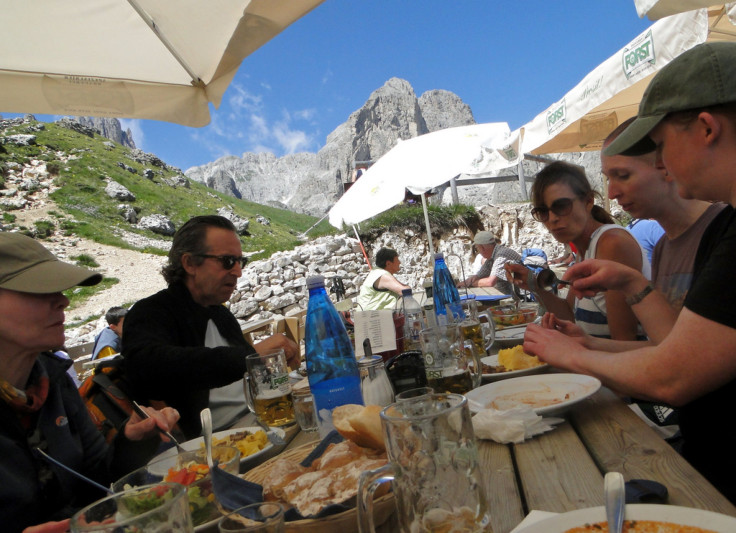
[445, 292]
[332, 369]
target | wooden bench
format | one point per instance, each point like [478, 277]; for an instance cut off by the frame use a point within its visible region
[256, 326]
[80, 354]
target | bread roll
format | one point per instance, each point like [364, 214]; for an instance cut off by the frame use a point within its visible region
[341, 420]
[362, 425]
[367, 424]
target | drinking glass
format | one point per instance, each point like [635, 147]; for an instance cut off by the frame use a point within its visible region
[414, 393]
[161, 507]
[433, 466]
[304, 411]
[480, 332]
[451, 364]
[263, 517]
[268, 388]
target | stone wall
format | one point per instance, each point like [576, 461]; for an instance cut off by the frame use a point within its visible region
[277, 286]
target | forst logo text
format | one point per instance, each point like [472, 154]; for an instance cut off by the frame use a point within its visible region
[639, 55]
[556, 118]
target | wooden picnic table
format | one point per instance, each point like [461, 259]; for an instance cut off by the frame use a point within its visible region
[563, 470]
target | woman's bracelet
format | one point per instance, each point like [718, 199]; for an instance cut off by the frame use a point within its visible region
[639, 296]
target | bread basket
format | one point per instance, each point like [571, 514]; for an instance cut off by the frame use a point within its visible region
[345, 522]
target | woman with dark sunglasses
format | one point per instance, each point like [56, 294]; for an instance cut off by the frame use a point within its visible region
[565, 203]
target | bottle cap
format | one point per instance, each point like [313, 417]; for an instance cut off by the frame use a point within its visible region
[406, 292]
[439, 255]
[315, 281]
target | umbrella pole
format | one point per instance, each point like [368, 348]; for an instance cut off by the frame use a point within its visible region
[429, 231]
[361, 247]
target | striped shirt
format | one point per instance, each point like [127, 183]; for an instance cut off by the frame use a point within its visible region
[590, 313]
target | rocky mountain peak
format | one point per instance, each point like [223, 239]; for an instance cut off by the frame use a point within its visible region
[312, 183]
[444, 109]
[110, 128]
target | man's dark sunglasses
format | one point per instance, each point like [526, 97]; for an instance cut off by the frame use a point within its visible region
[227, 261]
[560, 207]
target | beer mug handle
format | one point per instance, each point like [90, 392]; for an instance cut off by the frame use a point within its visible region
[246, 391]
[477, 366]
[490, 325]
[369, 481]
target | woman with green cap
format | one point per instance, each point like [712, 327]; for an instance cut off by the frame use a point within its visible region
[40, 407]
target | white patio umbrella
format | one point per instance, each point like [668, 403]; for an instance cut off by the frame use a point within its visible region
[154, 59]
[656, 9]
[611, 93]
[417, 164]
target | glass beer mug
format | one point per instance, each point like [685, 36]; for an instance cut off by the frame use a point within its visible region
[268, 389]
[480, 332]
[433, 467]
[452, 364]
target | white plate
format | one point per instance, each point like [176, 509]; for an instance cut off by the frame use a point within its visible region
[492, 360]
[552, 393]
[511, 336]
[196, 444]
[664, 513]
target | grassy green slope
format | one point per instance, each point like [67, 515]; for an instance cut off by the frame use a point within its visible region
[88, 212]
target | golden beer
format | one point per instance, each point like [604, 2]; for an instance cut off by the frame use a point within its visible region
[472, 331]
[460, 382]
[463, 520]
[274, 409]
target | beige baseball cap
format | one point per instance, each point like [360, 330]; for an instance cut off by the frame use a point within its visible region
[484, 237]
[26, 266]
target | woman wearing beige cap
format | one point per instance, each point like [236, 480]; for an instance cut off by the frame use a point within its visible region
[40, 408]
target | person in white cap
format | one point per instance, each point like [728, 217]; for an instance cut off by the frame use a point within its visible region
[492, 273]
[40, 407]
[688, 115]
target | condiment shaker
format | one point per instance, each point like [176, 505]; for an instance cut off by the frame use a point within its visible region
[374, 382]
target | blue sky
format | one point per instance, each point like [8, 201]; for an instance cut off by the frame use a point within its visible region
[508, 60]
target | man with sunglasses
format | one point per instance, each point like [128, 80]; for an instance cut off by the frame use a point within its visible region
[181, 345]
[688, 115]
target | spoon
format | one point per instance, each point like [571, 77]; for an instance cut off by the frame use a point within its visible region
[547, 280]
[206, 418]
[615, 495]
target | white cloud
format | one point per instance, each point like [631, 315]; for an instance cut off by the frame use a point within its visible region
[291, 140]
[327, 76]
[243, 100]
[245, 123]
[305, 114]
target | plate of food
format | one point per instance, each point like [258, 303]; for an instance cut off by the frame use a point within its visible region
[506, 316]
[640, 518]
[511, 363]
[336, 473]
[548, 394]
[510, 336]
[190, 470]
[251, 441]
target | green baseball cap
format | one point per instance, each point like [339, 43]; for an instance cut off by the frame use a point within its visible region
[26, 266]
[703, 76]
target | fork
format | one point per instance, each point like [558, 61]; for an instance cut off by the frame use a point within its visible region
[143, 414]
[275, 439]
